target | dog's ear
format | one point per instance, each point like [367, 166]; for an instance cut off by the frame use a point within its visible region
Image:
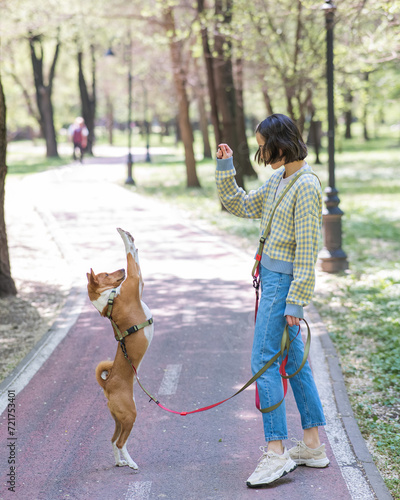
[91, 277]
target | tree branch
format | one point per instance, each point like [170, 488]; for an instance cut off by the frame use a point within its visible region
[53, 65]
[27, 97]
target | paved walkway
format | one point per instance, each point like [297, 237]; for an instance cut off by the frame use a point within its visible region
[199, 291]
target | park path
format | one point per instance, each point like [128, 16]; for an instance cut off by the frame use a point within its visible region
[200, 294]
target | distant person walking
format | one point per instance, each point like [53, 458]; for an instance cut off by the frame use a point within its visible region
[78, 133]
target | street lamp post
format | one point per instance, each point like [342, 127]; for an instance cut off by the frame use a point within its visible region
[129, 179]
[333, 259]
[147, 124]
[110, 53]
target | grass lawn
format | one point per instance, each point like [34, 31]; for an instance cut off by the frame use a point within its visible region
[359, 307]
[26, 157]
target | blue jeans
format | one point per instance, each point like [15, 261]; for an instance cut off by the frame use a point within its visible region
[268, 332]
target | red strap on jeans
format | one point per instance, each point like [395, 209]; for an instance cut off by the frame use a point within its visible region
[282, 370]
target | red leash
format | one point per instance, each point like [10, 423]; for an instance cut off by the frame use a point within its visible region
[282, 371]
[205, 408]
[183, 413]
[152, 398]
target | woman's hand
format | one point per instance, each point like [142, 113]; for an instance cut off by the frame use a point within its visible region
[224, 151]
[292, 321]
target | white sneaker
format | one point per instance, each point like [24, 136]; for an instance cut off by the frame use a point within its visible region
[271, 467]
[311, 457]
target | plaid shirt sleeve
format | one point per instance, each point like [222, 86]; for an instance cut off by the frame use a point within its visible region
[234, 198]
[307, 225]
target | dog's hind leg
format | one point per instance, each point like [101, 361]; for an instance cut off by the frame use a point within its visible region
[118, 461]
[122, 441]
[128, 458]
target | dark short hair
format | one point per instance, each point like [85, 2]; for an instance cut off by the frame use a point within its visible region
[280, 134]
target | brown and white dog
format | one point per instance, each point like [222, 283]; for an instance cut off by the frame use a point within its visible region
[117, 377]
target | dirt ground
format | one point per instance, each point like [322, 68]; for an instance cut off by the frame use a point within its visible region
[40, 273]
[24, 319]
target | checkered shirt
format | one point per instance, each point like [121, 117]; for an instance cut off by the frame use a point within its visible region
[295, 229]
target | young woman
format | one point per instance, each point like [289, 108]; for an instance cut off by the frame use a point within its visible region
[287, 275]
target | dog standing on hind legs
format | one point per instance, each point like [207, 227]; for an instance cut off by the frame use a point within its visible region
[119, 298]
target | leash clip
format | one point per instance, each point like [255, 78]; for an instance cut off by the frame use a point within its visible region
[123, 347]
[111, 297]
[256, 282]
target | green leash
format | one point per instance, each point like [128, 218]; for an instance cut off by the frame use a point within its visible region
[285, 345]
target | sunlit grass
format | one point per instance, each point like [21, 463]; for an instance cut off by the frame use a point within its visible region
[26, 157]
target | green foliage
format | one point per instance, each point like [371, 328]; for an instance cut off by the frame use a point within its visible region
[269, 36]
[360, 308]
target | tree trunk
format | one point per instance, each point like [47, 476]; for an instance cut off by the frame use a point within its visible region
[88, 102]
[178, 136]
[48, 119]
[7, 285]
[348, 118]
[301, 120]
[348, 114]
[179, 73]
[244, 150]
[365, 126]
[226, 94]
[43, 95]
[208, 59]
[267, 99]
[305, 107]
[199, 90]
[110, 120]
[314, 138]
[289, 93]
[365, 108]
[203, 124]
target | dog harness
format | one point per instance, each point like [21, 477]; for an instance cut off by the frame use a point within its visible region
[117, 332]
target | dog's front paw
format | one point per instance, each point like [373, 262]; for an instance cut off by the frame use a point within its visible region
[124, 233]
[128, 240]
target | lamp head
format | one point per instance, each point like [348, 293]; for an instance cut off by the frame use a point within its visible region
[109, 52]
[328, 7]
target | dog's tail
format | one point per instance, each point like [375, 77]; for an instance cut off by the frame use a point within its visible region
[103, 371]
